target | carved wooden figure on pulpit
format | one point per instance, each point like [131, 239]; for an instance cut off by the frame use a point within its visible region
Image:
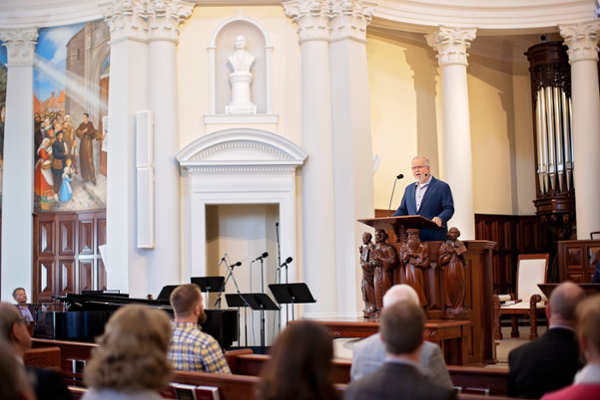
[384, 259]
[452, 259]
[415, 257]
[368, 284]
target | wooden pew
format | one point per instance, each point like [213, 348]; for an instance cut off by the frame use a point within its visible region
[492, 380]
[248, 365]
[49, 357]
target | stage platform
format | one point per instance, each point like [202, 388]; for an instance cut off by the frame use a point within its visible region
[450, 335]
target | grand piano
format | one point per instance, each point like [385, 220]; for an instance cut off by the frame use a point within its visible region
[85, 315]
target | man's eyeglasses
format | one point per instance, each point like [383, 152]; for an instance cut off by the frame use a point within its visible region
[418, 167]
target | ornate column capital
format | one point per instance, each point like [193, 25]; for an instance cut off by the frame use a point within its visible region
[451, 44]
[312, 17]
[126, 19]
[165, 16]
[582, 40]
[350, 19]
[20, 45]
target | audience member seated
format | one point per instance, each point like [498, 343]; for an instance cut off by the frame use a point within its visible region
[587, 381]
[191, 349]
[48, 384]
[596, 277]
[14, 384]
[21, 298]
[551, 361]
[131, 361]
[369, 355]
[402, 329]
[300, 366]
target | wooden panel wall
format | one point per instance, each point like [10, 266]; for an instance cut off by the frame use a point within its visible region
[66, 258]
[578, 259]
[513, 235]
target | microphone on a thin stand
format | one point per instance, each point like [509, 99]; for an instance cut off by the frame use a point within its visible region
[400, 176]
[237, 264]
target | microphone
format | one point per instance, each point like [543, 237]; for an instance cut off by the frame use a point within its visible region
[222, 259]
[263, 255]
[399, 176]
[287, 262]
[237, 264]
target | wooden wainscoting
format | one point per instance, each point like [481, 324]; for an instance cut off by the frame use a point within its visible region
[66, 258]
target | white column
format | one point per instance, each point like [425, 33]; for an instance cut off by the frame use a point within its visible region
[164, 261]
[318, 209]
[17, 184]
[451, 45]
[582, 40]
[352, 150]
[126, 267]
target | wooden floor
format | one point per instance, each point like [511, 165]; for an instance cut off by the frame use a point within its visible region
[343, 346]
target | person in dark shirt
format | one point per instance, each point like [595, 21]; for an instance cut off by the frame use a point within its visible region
[550, 362]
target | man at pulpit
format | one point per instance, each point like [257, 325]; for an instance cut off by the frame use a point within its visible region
[428, 197]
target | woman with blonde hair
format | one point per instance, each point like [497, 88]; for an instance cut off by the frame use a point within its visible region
[131, 362]
[300, 366]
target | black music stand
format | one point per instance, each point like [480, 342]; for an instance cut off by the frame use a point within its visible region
[235, 300]
[208, 284]
[292, 293]
[166, 291]
[262, 302]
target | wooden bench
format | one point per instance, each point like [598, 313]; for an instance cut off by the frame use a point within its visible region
[49, 357]
[245, 364]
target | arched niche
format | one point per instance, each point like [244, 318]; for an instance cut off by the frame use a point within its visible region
[222, 45]
[238, 166]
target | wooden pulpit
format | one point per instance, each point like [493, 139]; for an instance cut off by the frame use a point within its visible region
[478, 273]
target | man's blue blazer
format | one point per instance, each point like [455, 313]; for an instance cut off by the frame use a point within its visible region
[437, 202]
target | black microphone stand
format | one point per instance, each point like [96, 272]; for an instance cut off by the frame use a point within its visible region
[400, 176]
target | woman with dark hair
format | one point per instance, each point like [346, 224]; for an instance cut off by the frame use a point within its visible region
[300, 366]
[131, 361]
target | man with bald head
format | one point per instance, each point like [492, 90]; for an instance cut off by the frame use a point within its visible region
[550, 362]
[369, 355]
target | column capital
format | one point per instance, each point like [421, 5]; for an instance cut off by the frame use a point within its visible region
[165, 16]
[582, 40]
[350, 19]
[312, 17]
[126, 19]
[20, 45]
[451, 44]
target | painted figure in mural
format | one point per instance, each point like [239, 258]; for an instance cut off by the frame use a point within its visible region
[367, 285]
[87, 134]
[43, 182]
[69, 133]
[241, 60]
[74, 154]
[384, 258]
[452, 259]
[59, 152]
[415, 257]
[39, 135]
[65, 188]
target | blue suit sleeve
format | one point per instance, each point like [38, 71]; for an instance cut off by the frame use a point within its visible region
[402, 210]
[447, 204]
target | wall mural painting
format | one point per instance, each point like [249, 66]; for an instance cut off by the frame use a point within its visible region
[3, 75]
[71, 75]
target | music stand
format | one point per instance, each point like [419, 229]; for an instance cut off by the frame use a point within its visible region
[208, 284]
[262, 302]
[292, 293]
[166, 291]
[235, 300]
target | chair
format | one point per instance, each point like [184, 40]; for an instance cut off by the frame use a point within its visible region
[531, 270]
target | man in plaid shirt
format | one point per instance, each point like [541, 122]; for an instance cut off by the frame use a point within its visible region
[191, 349]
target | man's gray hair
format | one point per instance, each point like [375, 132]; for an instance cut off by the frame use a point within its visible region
[398, 293]
[427, 163]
